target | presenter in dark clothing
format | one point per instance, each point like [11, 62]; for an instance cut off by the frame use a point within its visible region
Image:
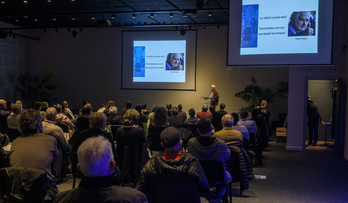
[313, 121]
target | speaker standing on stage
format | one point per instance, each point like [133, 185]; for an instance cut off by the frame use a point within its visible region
[214, 95]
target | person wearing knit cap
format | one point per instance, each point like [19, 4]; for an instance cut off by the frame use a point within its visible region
[172, 165]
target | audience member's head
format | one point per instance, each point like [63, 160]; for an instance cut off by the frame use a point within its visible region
[243, 113]
[97, 120]
[175, 111]
[16, 108]
[154, 107]
[139, 108]
[180, 107]
[204, 126]
[169, 107]
[2, 104]
[37, 105]
[51, 113]
[113, 110]
[227, 120]
[222, 106]
[95, 157]
[192, 112]
[263, 103]
[86, 109]
[144, 106]
[212, 108]
[160, 117]
[171, 139]
[131, 117]
[235, 118]
[44, 106]
[129, 104]
[19, 102]
[30, 122]
[84, 102]
[109, 104]
[205, 108]
[58, 108]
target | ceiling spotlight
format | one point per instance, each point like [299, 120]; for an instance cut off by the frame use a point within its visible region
[3, 2]
[151, 15]
[133, 15]
[35, 19]
[209, 14]
[49, 1]
[93, 17]
[54, 19]
[73, 18]
[25, 2]
[171, 15]
[17, 20]
[72, 0]
[113, 16]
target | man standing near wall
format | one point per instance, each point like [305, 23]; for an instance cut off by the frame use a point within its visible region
[214, 96]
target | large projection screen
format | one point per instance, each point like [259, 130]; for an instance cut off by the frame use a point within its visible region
[160, 60]
[280, 32]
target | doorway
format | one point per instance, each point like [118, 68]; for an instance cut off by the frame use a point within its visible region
[326, 96]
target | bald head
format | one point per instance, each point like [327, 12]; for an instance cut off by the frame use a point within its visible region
[227, 120]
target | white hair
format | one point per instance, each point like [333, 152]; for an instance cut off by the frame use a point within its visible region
[95, 155]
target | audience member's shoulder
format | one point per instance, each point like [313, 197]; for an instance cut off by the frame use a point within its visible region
[129, 195]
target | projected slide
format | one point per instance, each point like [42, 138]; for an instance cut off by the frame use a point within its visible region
[279, 27]
[159, 61]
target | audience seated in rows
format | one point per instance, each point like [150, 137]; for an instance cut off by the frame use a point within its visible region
[3, 116]
[9, 105]
[151, 115]
[216, 119]
[204, 113]
[33, 149]
[172, 166]
[206, 147]
[97, 123]
[241, 128]
[228, 134]
[66, 110]
[97, 165]
[159, 123]
[113, 118]
[175, 120]
[192, 120]
[128, 106]
[12, 120]
[61, 118]
[222, 111]
[107, 107]
[82, 122]
[131, 147]
[182, 113]
[4, 161]
[142, 117]
[169, 109]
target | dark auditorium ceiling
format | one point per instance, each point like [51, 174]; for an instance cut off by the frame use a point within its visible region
[39, 14]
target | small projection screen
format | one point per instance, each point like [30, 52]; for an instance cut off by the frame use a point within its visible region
[280, 32]
[159, 60]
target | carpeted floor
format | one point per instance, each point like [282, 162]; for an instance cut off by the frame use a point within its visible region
[316, 175]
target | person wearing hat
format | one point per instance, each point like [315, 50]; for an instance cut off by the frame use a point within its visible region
[172, 165]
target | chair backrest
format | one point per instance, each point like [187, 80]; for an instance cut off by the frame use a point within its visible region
[214, 171]
[131, 159]
[193, 129]
[19, 184]
[184, 190]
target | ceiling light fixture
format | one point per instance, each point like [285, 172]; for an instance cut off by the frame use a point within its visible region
[3, 2]
[93, 17]
[151, 15]
[113, 16]
[49, 1]
[54, 19]
[133, 15]
[35, 19]
[73, 18]
[209, 14]
[25, 2]
[171, 15]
